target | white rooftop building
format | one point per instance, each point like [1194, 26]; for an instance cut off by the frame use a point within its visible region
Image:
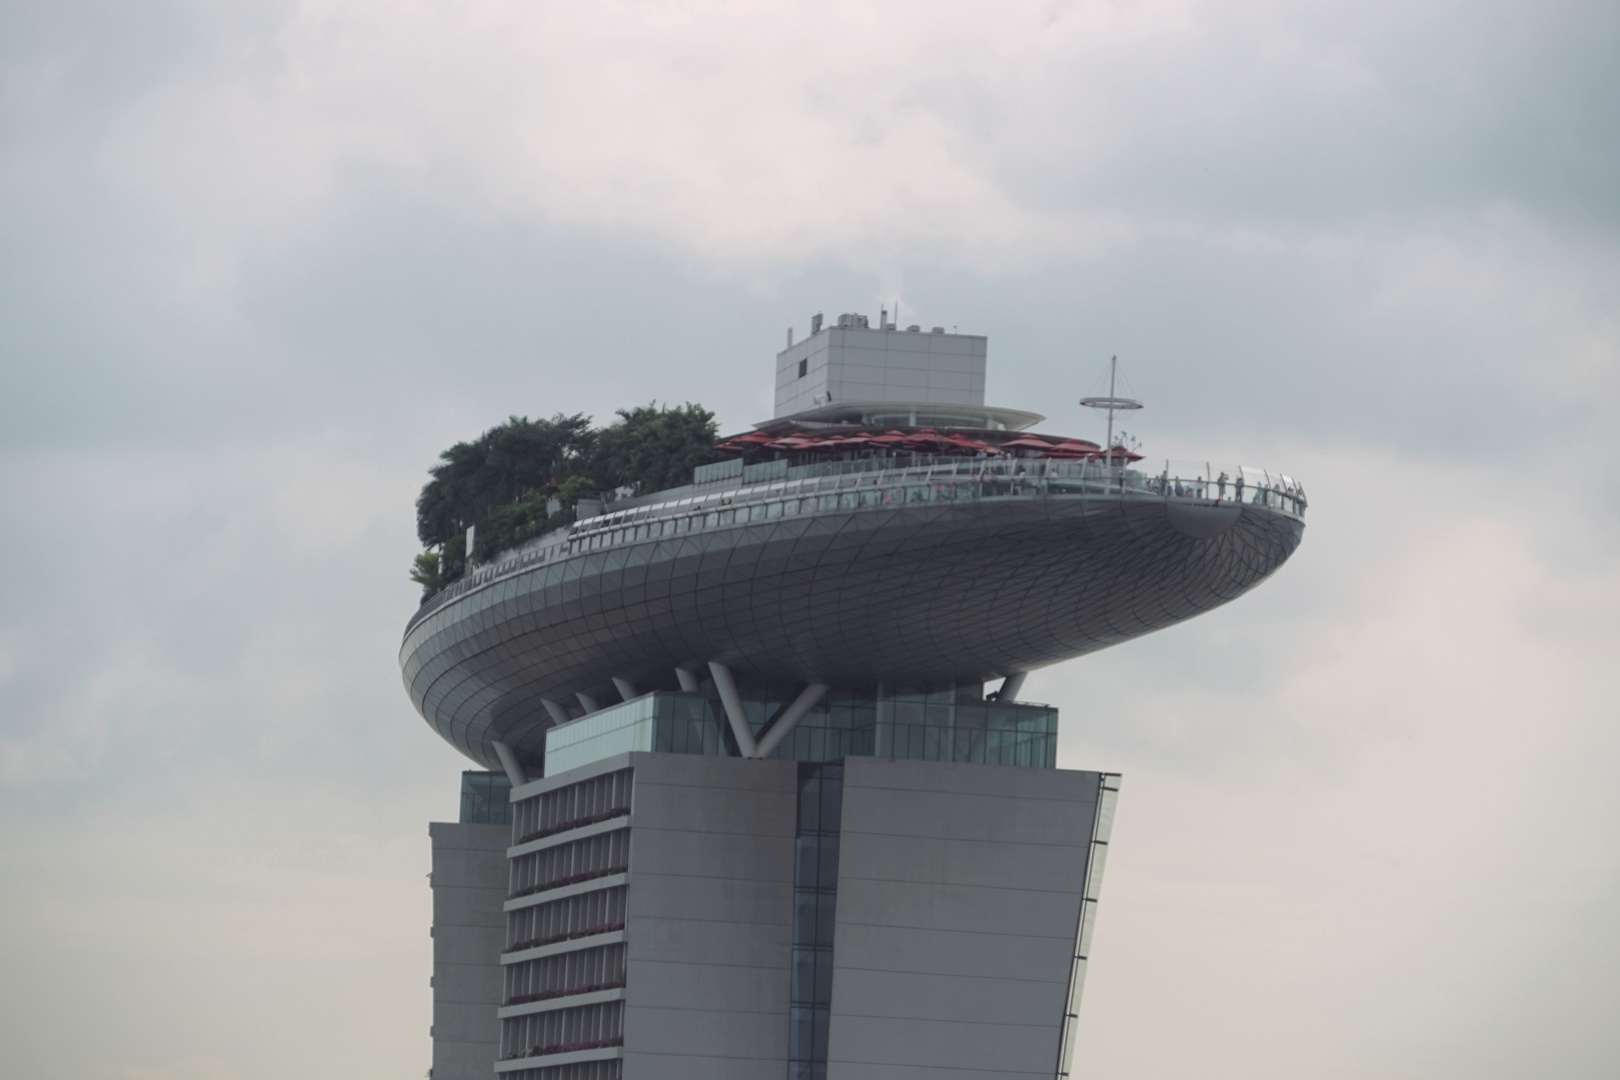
[851, 363]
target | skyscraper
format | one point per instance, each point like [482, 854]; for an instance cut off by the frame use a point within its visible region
[764, 818]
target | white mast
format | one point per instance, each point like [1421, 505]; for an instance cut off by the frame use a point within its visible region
[1113, 371]
[1111, 403]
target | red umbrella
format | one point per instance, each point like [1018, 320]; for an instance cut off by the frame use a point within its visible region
[972, 446]
[745, 441]
[1026, 442]
[926, 439]
[892, 437]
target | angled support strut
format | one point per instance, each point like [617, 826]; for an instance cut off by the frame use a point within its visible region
[513, 767]
[773, 736]
[735, 714]
[1011, 685]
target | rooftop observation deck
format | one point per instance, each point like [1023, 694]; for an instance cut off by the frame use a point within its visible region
[776, 489]
[885, 529]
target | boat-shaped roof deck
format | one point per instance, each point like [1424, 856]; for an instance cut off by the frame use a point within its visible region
[775, 489]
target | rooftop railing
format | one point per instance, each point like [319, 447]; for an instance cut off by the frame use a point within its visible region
[879, 482]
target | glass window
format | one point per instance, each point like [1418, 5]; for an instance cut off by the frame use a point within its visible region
[812, 975]
[815, 901]
[485, 798]
[810, 804]
[914, 722]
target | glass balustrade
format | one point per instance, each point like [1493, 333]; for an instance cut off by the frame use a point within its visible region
[854, 485]
[918, 481]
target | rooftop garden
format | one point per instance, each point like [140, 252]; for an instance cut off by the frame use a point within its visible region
[522, 479]
[525, 478]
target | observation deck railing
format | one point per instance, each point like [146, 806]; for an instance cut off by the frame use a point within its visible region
[879, 482]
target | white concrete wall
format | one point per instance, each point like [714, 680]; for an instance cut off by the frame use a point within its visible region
[959, 899]
[959, 896]
[710, 918]
[881, 365]
[469, 931]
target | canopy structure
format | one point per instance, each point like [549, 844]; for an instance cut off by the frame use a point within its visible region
[977, 442]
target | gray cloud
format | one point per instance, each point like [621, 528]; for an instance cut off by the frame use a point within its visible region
[258, 264]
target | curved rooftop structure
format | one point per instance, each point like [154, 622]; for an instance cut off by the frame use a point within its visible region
[985, 559]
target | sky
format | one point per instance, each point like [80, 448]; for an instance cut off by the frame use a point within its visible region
[261, 261]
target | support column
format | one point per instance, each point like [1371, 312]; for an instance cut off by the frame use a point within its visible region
[513, 767]
[625, 687]
[587, 702]
[738, 717]
[559, 715]
[789, 719]
[1011, 685]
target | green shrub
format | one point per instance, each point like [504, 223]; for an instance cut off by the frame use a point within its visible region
[425, 572]
[503, 481]
[651, 449]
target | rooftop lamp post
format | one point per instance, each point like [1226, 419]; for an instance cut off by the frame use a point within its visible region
[1111, 403]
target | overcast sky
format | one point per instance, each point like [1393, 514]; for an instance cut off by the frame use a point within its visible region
[260, 262]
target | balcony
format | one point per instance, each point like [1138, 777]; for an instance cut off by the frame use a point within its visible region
[875, 483]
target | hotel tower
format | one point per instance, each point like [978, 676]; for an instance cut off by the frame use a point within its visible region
[758, 793]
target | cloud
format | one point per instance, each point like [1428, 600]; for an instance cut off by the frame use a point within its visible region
[191, 1068]
[198, 623]
[259, 262]
[740, 135]
[1409, 770]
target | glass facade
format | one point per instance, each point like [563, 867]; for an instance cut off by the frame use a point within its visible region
[815, 902]
[1097, 860]
[617, 729]
[485, 798]
[924, 723]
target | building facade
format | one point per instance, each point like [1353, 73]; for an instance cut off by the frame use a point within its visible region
[751, 809]
[734, 918]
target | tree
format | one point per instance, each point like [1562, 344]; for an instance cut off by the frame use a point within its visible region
[425, 572]
[518, 459]
[504, 482]
[652, 448]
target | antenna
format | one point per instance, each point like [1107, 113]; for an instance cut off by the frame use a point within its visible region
[1111, 403]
